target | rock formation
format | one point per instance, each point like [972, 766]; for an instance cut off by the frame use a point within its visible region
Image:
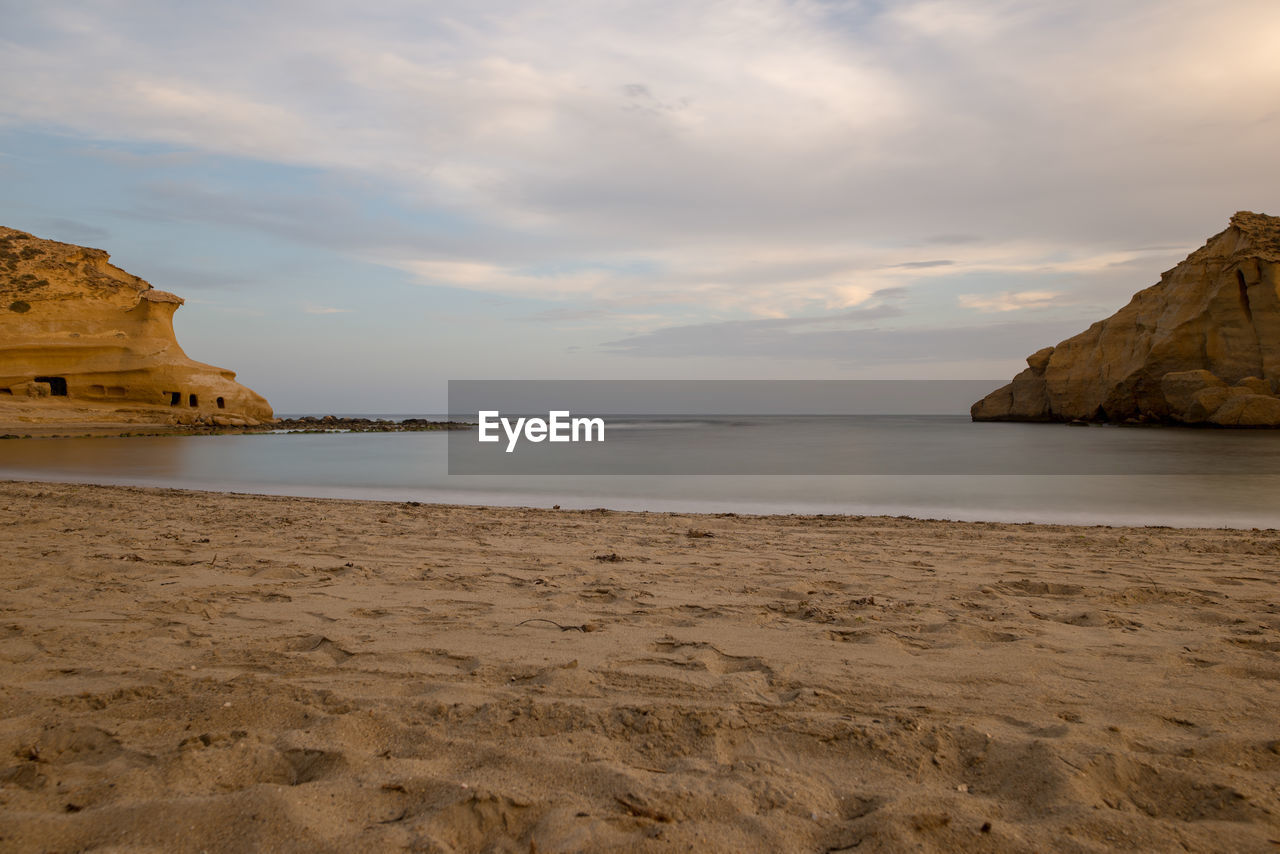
[1202, 346]
[84, 341]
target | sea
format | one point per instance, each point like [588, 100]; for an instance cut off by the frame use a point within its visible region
[923, 466]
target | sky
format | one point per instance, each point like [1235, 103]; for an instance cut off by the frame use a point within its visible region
[360, 202]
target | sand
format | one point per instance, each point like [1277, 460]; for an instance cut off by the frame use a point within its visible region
[185, 671]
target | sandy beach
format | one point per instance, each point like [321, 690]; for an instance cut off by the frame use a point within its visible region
[185, 671]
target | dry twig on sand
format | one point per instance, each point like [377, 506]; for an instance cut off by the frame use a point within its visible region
[585, 627]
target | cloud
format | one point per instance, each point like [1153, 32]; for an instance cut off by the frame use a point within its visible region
[863, 347]
[760, 281]
[759, 160]
[71, 231]
[897, 292]
[597, 316]
[185, 278]
[324, 309]
[1010, 300]
[763, 117]
[923, 265]
[762, 337]
[855, 316]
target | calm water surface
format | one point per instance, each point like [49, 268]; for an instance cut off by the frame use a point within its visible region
[905, 455]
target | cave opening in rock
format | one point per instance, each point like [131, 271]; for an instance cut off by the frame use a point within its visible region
[57, 385]
[222, 404]
[175, 398]
[193, 400]
[1244, 296]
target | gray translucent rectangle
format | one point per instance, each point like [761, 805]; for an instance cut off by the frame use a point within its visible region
[849, 427]
[719, 397]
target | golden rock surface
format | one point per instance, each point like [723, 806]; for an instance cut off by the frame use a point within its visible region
[1201, 346]
[83, 342]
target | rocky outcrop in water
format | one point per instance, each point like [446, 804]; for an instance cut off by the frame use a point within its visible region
[1202, 346]
[82, 341]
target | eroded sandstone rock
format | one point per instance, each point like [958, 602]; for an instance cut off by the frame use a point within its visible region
[1202, 346]
[82, 340]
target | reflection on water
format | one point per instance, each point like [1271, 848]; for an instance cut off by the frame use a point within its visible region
[414, 466]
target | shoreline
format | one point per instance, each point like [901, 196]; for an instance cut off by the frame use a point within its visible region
[225, 671]
[724, 514]
[303, 425]
[551, 502]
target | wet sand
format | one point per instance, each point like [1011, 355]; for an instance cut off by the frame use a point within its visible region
[184, 671]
